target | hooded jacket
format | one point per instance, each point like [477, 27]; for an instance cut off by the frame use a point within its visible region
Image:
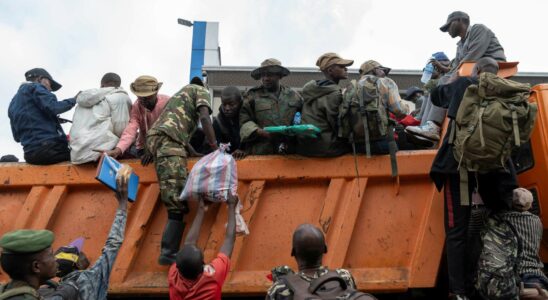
[322, 99]
[98, 122]
[33, 116]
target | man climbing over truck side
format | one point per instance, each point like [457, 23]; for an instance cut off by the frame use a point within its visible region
[270, 104]
[167, 141]
[476, 41]
[308, 249]
[144, 112]
[322, 99]
[34, 121]
[494, 188]
[190, 277]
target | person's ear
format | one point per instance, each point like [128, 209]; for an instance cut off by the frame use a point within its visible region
[35, 266]
[324, 248]
[293, 252]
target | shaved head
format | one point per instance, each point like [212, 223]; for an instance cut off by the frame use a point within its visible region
[485, 64]
[190, 262]
[308, 246]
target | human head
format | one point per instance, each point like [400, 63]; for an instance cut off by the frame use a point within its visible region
[308, 246]
[372, 67]
[71, 258]
[485, 64]
[270, 72]
[146, 89]
[457, 23]
[27, 255]
[333, 66]
[190, 262]
[111, 80]
[42, 76]
[413, 93]
[522, 199]
[231, 101]
[197, 80]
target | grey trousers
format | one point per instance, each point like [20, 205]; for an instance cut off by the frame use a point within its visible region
[430, 112]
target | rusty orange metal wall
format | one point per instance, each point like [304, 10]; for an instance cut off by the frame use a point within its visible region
[389, 241]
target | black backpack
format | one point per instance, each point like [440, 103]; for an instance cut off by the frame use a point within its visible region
[330, 286]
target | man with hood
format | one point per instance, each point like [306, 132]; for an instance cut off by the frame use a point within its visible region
[270, 104]
[322, 99]
[144, 112]
[33, 114]
[99, 119]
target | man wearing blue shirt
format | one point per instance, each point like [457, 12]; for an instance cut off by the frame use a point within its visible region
[33, 114]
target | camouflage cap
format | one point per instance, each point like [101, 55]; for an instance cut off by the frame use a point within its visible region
[522, 199]
[329, 59]
[370, 65]
[26, 241]
[145, 86]
[271, 65]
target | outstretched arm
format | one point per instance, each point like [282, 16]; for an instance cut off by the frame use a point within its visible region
[230, 237]
[194, 232]
[207, 127]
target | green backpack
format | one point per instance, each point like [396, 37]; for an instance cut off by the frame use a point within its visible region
[363, 117]
[494, 118]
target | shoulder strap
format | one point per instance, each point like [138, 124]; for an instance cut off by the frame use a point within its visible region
[19, 291]
[295, 283]
[329, 276]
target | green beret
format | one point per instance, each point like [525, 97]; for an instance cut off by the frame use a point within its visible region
[26, 241]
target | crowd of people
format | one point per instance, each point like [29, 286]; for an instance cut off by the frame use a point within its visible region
[366, 116]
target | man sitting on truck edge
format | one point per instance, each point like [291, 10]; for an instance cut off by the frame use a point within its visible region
[475, 42]
[270, 104]
[190, 277]
[33, 114]
[167, 141]
[308, 249]
[144, 112]
[28, 260]
[322, 99]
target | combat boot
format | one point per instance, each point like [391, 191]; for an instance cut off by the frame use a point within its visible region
[171, 240]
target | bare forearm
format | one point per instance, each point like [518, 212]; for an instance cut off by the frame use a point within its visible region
[230, 236]
[194, 231]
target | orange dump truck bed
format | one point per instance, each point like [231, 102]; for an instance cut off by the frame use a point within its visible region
[391, 239]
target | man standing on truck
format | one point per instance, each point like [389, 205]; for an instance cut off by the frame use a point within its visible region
[322, 99]
[33, 114]
[167, 141]
[28, 260]
[270, 104]
[144, 112]
[476, 41]
[189, 277]
[495, 188]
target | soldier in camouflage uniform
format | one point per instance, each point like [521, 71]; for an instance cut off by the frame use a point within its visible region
[167, 141]
[269, 104]
[308, 249]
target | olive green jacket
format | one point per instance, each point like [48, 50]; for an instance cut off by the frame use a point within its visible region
[321, 108]
[262, 108]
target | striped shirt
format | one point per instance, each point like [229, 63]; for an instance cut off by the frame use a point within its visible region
[529, 230]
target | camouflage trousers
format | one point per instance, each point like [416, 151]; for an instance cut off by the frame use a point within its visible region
[170, 161]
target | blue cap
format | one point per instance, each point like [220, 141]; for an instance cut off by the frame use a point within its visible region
[440, 56]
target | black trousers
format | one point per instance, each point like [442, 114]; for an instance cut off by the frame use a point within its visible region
[463, 223]
[49, 153]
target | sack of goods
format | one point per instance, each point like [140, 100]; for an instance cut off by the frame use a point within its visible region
[494, 118]
[212, 179]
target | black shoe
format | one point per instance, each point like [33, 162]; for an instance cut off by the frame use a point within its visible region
[419, 141]
[171, 240]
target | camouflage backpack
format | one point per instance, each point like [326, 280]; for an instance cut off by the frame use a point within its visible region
[497, 276]
[328, 286]
[363, 117]
[23, 291]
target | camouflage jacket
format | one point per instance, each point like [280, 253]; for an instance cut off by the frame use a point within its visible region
[93, 282]
[180, 117]
[279, 291]
[262, 108]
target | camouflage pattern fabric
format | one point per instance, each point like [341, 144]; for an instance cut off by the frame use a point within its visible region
[497, 277]
[170, 162]
[279, 291]
[262, 108]
[180, 116]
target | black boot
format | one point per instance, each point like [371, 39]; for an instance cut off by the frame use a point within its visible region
[171, 239]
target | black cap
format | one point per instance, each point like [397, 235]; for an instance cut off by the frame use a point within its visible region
[412, 90]
[39, 72]
[452, 17]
